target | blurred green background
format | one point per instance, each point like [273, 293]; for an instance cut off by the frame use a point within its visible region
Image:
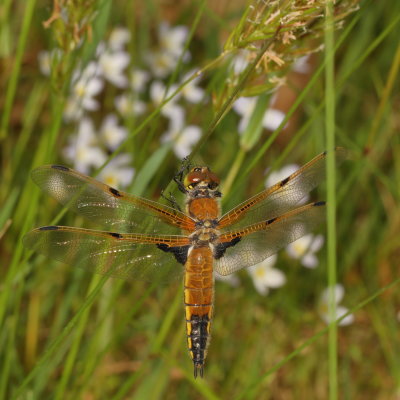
[67, 334]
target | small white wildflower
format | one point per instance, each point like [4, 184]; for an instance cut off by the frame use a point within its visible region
[265, 276]
[158, 95]
[139, 79]
[172, 40]
[73, 110]
[301, 65]
[284, 172]
[323, 307]
[164, 60]
[83, 148]
[128, 106]
[111, 133]
[44, 61]
[161, 63]
[119, 37]
[183, 138]
[273, 118]
[277, 176]
[232, 279]
[118, 172]
[305, 248]
[245, 106]
[191, 92]
[85, 86]
[240, 61]
[112, 66]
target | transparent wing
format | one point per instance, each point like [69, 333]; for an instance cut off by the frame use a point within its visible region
[108, 206]
[128, 256]
[253, 244]
[281, 197]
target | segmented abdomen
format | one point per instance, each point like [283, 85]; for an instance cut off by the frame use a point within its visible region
[199, 296]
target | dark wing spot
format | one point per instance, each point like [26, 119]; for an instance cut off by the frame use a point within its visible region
[284, 182]
[48, 228]
[60, 167]
[180, 252]
[115, 192]
[220, 248]
[270, 221]
[116, 235]
[319, 203]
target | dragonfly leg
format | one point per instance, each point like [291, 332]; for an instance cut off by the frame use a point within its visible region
[178, 178]
[171, 200]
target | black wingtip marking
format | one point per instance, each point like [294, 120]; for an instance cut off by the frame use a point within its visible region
[319, 203]
[115, 192]
[60, 167]
[325, 153]
[285, 181]
[115, 235]
[180, 252]
[270, 221]
[49, 228]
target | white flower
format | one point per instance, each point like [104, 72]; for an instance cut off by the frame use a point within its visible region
[245, 106]
[277, 176]
[128, 106]
[119, 37]
[112, 67]
[85, 86]
[191, 92]
[111, 133]
[164, 60]
[241, 60]
[161, 63]
[301, 65]
[118, 172]
[323, 307]
[284, 172]
[183, 138]
[158, 94]
[273, 118]
[138, 80]
[231, 279]
[44, 60]
[172, 40]
[73, 110]
[83, 149]
[304, 249]
[265, 276]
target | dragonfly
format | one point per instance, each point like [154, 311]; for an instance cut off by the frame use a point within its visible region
[169, 243]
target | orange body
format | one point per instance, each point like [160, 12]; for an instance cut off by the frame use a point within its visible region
[199, 296]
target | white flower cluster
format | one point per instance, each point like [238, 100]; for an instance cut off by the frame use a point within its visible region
[244, 106]
[138, 91]
[265, 276]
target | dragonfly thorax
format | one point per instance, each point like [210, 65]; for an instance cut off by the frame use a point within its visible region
[204, 236]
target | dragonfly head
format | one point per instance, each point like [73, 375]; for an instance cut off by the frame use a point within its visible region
[201, 178]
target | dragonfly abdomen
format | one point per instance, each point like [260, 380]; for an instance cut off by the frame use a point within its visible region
[199, 297]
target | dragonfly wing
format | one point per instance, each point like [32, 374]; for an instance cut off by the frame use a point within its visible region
[106, 205]
[245, 247]
[280, 197]
[128, 256]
